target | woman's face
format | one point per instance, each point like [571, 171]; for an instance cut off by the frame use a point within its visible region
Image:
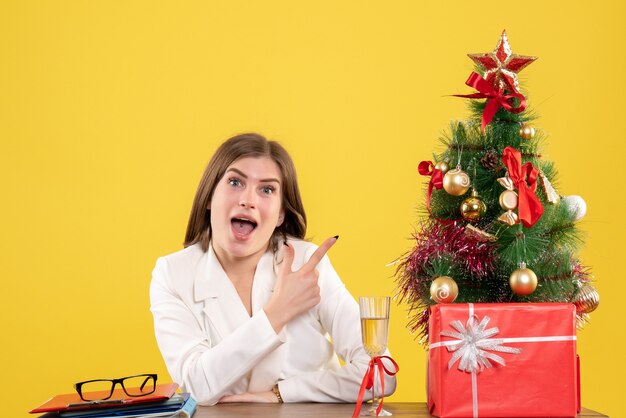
[246, 207]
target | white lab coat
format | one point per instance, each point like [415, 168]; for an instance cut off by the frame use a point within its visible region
[213, 348]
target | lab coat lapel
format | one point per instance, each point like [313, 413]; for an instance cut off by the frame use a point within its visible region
[226, 312]
[263, 283]
[222, 305]
[267, 372]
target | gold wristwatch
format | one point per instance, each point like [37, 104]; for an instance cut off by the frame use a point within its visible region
[277, 393]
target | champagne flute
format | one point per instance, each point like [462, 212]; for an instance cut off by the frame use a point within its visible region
[374, 330]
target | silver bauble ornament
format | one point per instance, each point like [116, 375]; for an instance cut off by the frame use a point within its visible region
[577, 206]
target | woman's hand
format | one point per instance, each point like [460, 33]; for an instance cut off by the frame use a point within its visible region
[258, 397]
[295, 292]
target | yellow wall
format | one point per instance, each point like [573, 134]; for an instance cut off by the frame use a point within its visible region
[109, 111]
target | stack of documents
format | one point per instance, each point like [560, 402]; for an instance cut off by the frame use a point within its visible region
[163, 403]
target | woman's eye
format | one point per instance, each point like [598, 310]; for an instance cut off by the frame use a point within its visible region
[235, 182]
[267, 189]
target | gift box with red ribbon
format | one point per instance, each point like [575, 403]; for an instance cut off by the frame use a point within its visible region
[503, 360]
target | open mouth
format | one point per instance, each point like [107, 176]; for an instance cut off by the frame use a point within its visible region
[242, 226]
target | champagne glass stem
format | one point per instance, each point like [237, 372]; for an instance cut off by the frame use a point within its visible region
[374, 397]
[374, 312]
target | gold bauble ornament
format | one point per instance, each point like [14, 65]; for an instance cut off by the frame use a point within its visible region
[444, 289]
[526, 131]
[456, 182]
[523, 281]
[508, 200]
[442, 166]
[473, 208]
[587, 299]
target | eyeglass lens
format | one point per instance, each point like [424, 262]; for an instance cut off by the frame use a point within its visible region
[134, 386]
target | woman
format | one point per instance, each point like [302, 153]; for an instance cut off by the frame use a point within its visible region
[244, 313]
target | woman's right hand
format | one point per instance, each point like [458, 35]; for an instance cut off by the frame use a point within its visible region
[297, 291]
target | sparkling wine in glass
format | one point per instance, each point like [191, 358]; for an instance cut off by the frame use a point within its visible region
[374, 331]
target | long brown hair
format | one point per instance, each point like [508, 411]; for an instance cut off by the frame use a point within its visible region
[241, 146]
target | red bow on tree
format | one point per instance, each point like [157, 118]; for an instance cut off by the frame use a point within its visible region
[529, 207]
[427, 168]
[495, 98]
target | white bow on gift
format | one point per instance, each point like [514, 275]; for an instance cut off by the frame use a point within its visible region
[474, 345]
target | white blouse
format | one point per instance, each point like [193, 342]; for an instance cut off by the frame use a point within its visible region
[213, 348]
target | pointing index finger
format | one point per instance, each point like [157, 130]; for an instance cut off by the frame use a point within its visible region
[320, 252]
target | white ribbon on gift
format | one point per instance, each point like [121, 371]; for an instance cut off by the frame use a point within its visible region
[474, 347]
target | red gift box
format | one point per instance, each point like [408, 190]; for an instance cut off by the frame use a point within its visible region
[503, 360]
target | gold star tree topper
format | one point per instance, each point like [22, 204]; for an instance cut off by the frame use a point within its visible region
[502, 65]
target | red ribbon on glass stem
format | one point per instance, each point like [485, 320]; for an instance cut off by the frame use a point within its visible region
[368, 381]
[529, 207]
[495, 99]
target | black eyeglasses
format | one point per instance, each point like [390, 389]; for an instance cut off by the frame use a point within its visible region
[101, 389]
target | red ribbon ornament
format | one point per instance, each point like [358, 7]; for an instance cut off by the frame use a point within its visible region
[495, 99]
[524, 177]
[368, 381]
[427, 168]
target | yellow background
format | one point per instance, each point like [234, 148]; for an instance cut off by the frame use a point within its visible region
[109, 111]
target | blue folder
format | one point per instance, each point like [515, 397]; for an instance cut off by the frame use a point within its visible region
[179, 405]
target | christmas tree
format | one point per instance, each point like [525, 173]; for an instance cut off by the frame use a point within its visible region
[494, 227]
